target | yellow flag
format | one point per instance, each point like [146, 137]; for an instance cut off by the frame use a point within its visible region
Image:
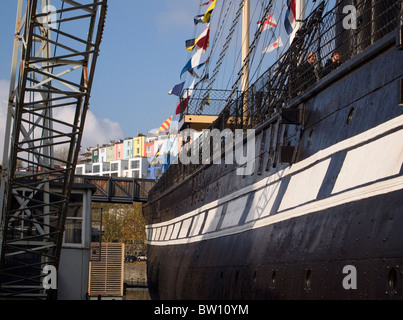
[209, 11]
[165, 125]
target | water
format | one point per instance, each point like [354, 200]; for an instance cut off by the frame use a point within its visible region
[136, 294]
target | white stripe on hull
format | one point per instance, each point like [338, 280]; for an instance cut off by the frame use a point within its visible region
[381, 155]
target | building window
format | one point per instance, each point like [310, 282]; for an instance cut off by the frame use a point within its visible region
[79, 170]
[135, 174]
[138, 150]
[95, 169]
[114, 166]
[74, 220]
[135, 164]
[149, 149]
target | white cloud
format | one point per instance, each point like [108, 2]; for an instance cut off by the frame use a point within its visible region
[4, 87]
[99, 131]
[96, 130]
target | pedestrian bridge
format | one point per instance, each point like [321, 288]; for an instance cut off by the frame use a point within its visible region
[117, 190]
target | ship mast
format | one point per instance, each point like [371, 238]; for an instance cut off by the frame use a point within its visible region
[300, 16]
[245, 44]
[300, 11]
[245, 55]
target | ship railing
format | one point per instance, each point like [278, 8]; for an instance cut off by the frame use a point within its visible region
[204, 102]
[323, 32]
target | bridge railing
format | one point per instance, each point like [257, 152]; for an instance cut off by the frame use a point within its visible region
[117, 190]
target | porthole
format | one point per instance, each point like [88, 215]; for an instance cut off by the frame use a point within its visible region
[310, 137]
[308, 279]
[392, 280]
[273, 277]
[350, 116]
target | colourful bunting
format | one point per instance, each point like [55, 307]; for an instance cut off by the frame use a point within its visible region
[276, 44]
[192, 63]
[270, 22]
[198, 19]
[290, 16]
[165, 125]
[206, 3]
[201, 42]
[177, 90]
[182, 105]
[209, 11]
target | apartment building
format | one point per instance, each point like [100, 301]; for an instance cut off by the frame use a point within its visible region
[128, 148]
[138, 146]
[131, 157]
[119, 150]
[110, 152]
[129, 168]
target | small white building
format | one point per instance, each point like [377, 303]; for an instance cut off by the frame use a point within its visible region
[102, 154]
[137, 168]
[101, 169]
[73, 271]
[130, 168]
[82, 169]
[118, 167]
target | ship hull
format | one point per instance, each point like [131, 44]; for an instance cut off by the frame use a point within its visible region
[300, 258]
[327, 226]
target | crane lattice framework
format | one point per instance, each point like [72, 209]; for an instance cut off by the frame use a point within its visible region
[56, 47]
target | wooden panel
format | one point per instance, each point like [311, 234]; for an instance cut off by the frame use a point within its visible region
[106, 275]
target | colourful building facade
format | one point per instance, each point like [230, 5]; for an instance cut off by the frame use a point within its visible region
[119, 151]
[128, 148]
[110, 153]
[138, 147]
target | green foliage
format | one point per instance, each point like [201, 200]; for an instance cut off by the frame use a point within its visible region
[121, 222]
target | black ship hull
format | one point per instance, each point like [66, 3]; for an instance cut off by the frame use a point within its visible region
[300, 258]
[290, 231]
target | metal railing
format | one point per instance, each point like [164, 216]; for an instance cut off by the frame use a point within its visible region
[322, 33]
[53, 68]
[206, 102]
[116, 189]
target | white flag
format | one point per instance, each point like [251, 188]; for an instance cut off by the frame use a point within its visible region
[269, 23]
[276, 44]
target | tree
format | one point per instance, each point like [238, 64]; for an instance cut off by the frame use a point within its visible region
[121, 222]
[62, 154]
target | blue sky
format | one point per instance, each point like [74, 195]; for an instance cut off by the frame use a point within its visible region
[142, 55]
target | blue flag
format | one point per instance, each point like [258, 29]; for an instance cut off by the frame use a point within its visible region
[177, 90]
[198, 19]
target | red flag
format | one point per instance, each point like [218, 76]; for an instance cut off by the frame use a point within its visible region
[206, 3]
[182, 105]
